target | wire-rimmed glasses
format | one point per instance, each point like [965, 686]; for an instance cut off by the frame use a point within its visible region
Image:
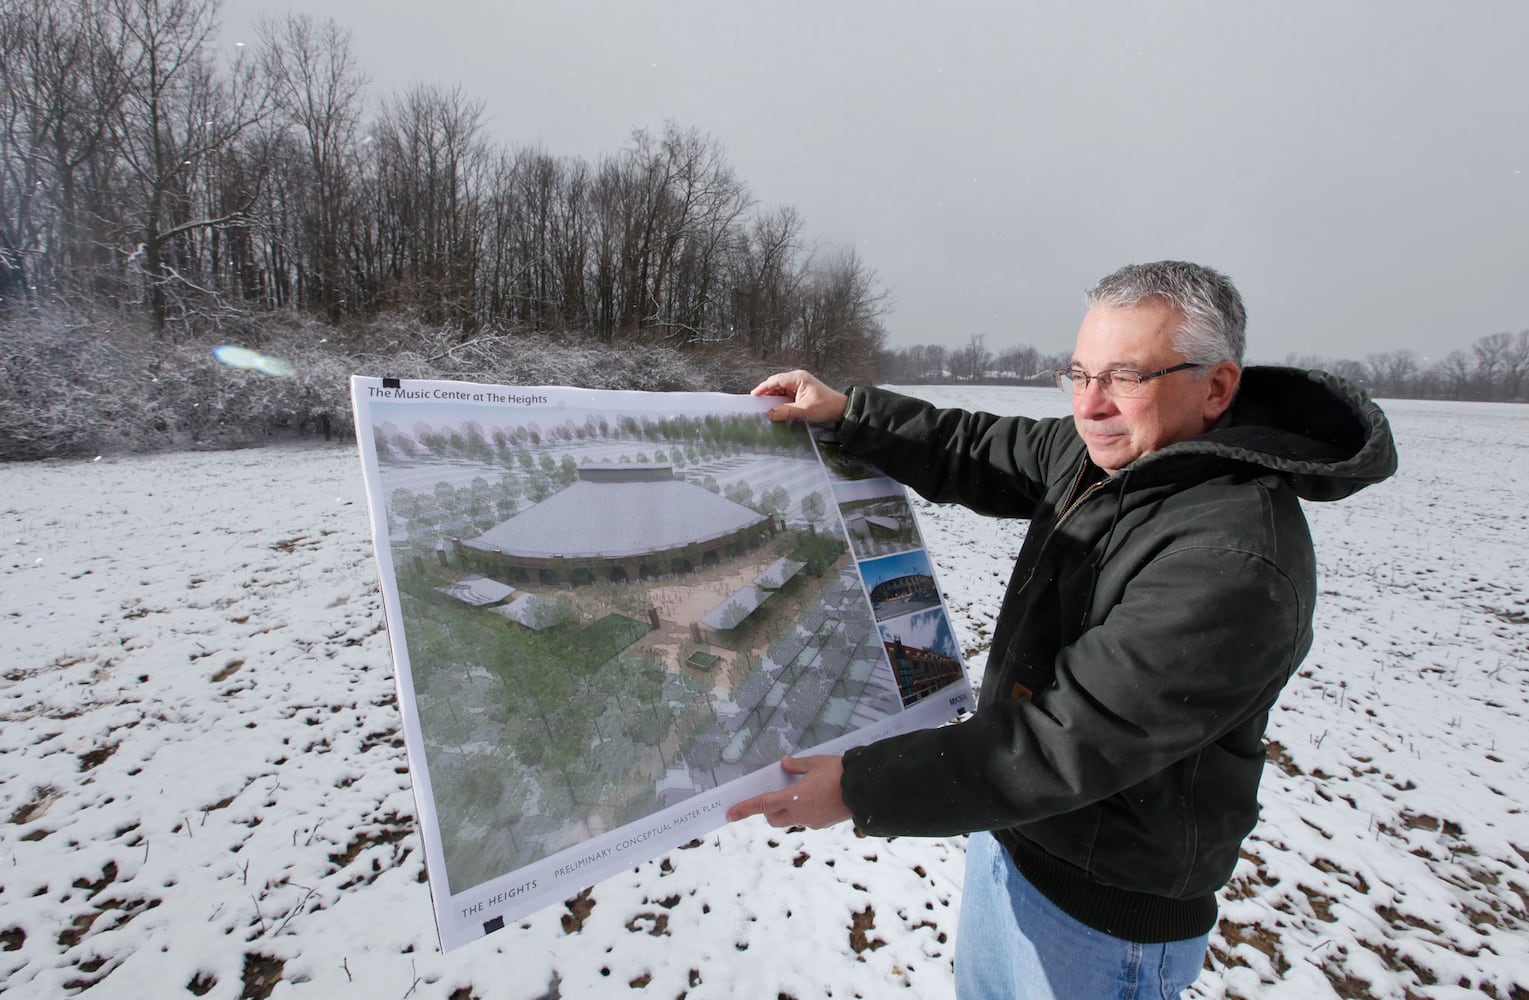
[1114, 381]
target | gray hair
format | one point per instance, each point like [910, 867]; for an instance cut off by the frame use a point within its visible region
[1215, 322]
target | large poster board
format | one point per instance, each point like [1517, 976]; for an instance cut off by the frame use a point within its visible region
[612, 612]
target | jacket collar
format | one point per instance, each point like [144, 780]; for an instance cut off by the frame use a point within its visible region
[1321, 433]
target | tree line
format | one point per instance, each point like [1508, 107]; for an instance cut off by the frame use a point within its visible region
[1495, 368]
[156, 194]
[971, 362]
[142, 173]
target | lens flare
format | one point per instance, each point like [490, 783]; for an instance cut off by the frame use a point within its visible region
[243, 357]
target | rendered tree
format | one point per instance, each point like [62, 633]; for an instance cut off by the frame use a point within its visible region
[381, 442]
[775, 500]
[477, 502]
[813, 507]
[739, 492]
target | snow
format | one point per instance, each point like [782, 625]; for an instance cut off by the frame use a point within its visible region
[203, 786]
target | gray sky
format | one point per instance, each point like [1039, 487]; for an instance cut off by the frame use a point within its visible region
[1360, 169]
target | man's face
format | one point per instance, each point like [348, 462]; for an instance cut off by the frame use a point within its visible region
[1120, 429]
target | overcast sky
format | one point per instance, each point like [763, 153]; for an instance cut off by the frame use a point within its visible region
[1360, 169]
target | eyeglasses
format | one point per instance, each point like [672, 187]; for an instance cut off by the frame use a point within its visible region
[1114, 381]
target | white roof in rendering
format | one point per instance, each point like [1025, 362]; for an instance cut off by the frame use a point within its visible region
[778, 573]
[855, 521]
[478, 591]
[528, 610]
[617, 511]
[733, 611]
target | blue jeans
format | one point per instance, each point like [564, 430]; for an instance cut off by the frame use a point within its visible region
[1012, 943]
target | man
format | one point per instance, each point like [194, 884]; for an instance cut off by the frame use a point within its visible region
[1161, 599]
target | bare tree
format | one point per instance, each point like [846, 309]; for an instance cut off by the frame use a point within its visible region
[1022, 361]
[534, 264]
[61, 86]
[1391, 373]
[430, 165]
[1454, 371]
[1515, 366]
[20, 160]
[638, 209]
[178, 118]
[766, 280]
[1491, 353]
[535, 192]
[317, 87]
[936, 361]
[670, 207]
[971, 362]
[710, 201]
[1345, 368]
[840, 307]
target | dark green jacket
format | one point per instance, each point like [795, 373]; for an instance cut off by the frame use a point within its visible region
[1151, 620]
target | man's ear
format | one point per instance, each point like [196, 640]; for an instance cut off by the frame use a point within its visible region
[1223, 381]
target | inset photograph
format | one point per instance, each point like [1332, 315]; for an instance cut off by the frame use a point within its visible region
[900, 585]
[923, 653]
[877, 517]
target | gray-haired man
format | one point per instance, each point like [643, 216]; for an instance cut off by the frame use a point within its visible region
[1162, 598]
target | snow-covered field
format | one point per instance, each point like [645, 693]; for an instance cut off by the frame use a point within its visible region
[203, 789]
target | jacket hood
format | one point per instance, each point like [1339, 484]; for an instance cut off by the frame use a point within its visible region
[1320, 432]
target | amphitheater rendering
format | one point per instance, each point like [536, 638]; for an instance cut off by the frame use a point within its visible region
[611, 614]
[621, 523]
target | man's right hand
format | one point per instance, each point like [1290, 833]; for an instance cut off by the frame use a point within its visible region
[809, 398]
[814, 801]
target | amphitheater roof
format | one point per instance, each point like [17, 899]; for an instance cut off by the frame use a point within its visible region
[618, 511]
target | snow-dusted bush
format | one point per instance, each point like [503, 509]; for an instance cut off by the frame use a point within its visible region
[77, 385]
[407, 349]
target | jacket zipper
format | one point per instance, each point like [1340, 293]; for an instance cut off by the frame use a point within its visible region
[1075, 500]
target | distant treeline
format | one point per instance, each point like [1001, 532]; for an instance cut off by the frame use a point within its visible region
[140, 174]
[156, 200]
[1496, 368]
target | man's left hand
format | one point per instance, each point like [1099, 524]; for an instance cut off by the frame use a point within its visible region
[812, 801]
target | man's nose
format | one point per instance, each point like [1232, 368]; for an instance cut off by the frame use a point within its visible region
[1092, 399]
